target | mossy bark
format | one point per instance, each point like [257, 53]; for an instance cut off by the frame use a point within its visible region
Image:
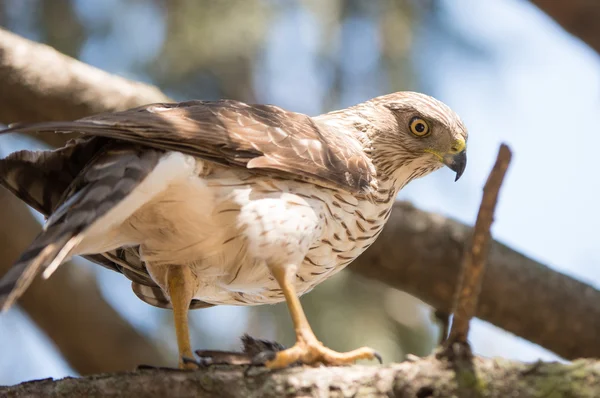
[418, 378]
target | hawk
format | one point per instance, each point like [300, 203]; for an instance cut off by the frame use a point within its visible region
[204, 203]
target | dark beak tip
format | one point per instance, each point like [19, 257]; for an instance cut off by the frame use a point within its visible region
[459, 165]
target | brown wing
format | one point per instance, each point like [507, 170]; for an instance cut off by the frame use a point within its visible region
[260, 137]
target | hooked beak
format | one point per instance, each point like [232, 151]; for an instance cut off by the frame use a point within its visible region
[456, 162]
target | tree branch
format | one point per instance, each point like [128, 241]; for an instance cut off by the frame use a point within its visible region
[578, 17]
[420, 253]
[421, 378]
[474, 260]
[38, 83]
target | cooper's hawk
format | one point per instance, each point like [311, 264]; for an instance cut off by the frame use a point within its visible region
[205, 203]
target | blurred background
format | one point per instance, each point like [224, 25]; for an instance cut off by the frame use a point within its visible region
[507, 68]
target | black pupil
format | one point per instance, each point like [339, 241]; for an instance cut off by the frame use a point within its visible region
[419, 127]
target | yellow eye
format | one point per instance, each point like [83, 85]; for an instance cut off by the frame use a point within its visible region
[419, 127]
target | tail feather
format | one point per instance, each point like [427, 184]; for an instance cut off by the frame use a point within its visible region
[22, 273]
[39, 178]
[62, 255]
[101, 186]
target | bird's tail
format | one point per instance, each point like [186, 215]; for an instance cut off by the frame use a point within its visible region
[39, 178]
[100, 185]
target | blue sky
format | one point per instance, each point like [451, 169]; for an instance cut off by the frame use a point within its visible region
[514, 76]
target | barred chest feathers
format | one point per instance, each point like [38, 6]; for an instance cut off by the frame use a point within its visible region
[228, 224]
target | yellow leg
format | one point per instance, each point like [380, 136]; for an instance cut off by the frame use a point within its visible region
[308, 349]
[181, 284]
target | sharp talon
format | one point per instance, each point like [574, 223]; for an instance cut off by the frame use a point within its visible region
[203, 360]
[378, 357]
[186, 361]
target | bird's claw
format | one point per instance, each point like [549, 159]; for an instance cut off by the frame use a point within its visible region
[315, 353]
[378, 356]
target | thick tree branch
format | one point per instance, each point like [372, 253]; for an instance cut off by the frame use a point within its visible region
[421, 253]
[422, 378]
[578, 17]
[39, 83]
[418, 252]
[69, 307]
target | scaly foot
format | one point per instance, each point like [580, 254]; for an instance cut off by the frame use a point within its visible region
[310, 351]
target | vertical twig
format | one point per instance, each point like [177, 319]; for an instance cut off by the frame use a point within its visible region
[475, 257]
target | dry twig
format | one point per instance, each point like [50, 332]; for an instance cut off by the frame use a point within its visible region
[474, 259]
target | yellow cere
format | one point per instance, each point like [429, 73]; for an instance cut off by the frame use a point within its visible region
[458, 146]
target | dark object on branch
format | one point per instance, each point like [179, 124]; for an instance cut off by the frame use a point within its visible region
[251, 348]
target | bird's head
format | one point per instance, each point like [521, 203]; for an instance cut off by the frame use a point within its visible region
[410, 135]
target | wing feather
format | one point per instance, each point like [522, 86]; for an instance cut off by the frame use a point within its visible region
[75, 217]
[265, 138]
[55, 180]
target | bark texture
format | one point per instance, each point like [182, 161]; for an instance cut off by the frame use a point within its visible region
[420, 378]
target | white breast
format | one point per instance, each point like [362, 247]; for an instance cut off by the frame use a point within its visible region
[227, 224]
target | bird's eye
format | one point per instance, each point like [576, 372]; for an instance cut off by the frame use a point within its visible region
[419, 127]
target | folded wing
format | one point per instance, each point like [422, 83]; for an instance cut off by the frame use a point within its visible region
[261, 137]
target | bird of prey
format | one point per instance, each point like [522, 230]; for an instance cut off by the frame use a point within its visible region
[204, 203]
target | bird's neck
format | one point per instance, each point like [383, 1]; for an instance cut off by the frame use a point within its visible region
[388, 179]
